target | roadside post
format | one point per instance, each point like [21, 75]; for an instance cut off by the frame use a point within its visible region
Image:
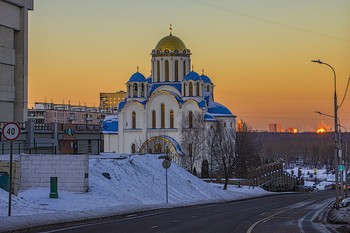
[166, 164]
[10, 131]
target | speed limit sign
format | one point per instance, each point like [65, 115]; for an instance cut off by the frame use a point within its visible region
[11, 131]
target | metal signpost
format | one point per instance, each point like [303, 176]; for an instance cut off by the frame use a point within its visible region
[10, 131]
[166, 164]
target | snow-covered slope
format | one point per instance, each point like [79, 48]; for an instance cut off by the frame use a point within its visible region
[136, 183]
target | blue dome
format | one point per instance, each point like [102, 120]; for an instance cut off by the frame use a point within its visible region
[206, 79]
[137, 77]
[149, 80]
[194, 76]
[218, 109]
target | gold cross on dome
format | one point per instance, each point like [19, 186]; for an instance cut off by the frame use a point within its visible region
[171, 29]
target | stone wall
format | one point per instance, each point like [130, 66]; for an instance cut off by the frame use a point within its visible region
[71, 171]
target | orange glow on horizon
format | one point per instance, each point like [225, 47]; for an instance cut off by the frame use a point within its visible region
[321, 130]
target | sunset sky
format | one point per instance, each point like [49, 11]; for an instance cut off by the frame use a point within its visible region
[256, 52]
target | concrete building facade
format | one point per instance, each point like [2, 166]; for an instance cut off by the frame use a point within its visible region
[14, 59]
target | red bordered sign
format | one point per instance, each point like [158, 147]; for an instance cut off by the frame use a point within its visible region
[11, 131]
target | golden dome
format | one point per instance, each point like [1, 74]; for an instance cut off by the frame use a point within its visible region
[171, 43]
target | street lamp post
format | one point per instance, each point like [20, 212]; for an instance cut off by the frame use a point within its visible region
[337, 146]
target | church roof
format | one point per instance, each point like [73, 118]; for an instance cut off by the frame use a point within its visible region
[137, 77]
[171, 43]
[218, 109]
[194, 76]
[209, 117]
[110, 124]
[175, 143]
[206, 79]
[177, 86]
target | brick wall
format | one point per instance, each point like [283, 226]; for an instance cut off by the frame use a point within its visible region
[71, 170]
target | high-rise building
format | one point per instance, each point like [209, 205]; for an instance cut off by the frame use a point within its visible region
[110, 101]
[14, 59]
[275, 128]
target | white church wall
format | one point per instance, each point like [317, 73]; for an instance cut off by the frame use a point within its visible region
[110, 143]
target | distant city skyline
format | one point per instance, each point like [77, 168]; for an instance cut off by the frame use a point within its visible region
[258, 52]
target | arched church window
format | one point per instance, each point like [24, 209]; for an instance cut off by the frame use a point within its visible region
[184, 68]
[176, 71]
[184, 89]
[166, 71]
[166, 51]
[133, 121]
[162, 116]
[208, 88]
[197, 89]
[135, 89]
[190, 119]
[190, 89]
[171, 119]
[154, 119]
[158, 71]
[133, 149]
[142, 90]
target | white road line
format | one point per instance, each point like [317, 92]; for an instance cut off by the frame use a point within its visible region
[175, 221]
[264, 219]
[152, 227]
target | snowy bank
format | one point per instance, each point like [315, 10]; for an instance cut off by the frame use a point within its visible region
[129, 184]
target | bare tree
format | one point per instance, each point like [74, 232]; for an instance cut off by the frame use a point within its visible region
[192, 139]
[247, 149]
[221, 143]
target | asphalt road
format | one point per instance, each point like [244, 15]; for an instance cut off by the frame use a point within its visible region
[279, 213]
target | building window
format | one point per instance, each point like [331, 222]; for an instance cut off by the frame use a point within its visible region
[197, 89]
[176, 71]
[184, 69]
[184, 89]
[162, 116]
[133, 149]
[154, 119]
[135, 89]
[158, 71]
[190, 119]
[142, 90]
[190, 150]
[190, 89]
[171, 119]
[133, 122]
[166, 71]
[208, 88]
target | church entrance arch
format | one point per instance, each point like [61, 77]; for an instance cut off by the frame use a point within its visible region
[162, 145]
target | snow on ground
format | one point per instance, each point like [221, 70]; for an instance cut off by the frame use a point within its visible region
[137, 183]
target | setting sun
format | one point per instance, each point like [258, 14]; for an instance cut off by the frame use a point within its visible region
[321, 130]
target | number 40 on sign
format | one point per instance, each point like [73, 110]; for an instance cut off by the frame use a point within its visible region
[11, 131]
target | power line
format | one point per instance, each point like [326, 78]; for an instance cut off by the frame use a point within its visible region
[269, 21]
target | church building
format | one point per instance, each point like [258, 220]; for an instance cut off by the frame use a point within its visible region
[157, 109]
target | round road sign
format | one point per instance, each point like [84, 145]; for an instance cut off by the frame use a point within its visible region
[11, 131]
[166, 163]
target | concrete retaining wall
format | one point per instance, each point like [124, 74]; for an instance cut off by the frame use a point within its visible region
[71, 171]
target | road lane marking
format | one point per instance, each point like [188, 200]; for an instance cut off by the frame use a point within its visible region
[264, 220]
[152, 227]
[175, 221]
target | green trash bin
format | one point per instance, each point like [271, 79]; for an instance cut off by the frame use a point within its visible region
[53, 187]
